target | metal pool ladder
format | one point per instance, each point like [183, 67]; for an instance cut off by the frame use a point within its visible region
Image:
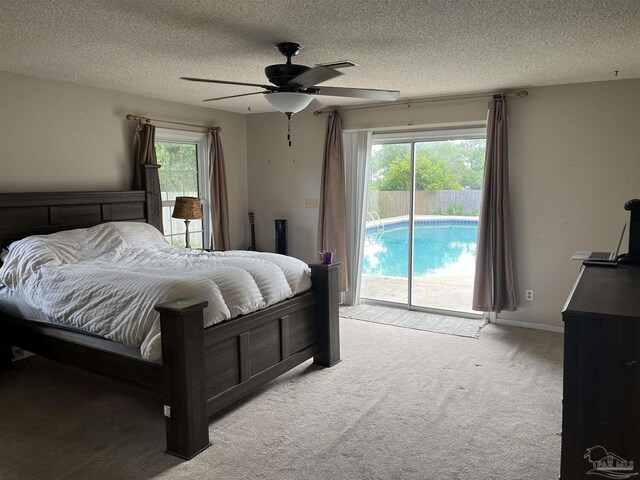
[377, 222]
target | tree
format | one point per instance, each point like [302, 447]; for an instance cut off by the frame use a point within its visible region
[179, 169]
[443, 165]
[431, 175]
[465, 159]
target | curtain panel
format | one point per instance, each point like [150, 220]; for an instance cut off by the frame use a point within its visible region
[357, 158]
[331, 218]
[494, 288]
[144, 153]
[219, 201]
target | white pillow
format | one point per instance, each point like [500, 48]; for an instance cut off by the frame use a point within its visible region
[140, 235]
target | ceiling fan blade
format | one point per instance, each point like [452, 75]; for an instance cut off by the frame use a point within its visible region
[368, 93]
[314, 75]
[226, 82]
[233, 96]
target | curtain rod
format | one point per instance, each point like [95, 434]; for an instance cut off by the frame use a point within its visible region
[130, 116]
[518, 93]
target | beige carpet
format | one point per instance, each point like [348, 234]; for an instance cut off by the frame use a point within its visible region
[403, 404]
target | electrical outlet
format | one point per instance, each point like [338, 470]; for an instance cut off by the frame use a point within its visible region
[528, 295]
[311, 203]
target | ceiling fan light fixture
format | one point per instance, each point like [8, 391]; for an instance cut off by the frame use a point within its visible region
[289, 102]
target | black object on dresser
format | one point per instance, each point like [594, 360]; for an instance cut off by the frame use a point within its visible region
[633, 257]
[601, 399]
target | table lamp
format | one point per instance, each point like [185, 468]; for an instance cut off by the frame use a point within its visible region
[187, 208]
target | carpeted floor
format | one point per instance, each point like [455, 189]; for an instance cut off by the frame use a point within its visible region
[401, 317]
[403, 404]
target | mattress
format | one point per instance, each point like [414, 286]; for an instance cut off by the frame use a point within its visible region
[107, 279]
[13, 304]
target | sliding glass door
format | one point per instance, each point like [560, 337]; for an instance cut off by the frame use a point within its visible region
[386, 250]
[423, 206]
[447, 203]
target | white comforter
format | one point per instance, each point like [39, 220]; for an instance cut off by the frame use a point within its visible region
[107, 279]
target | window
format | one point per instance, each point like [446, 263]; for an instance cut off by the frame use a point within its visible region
[183, 157]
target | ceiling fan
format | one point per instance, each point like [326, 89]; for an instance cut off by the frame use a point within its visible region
[294, 85]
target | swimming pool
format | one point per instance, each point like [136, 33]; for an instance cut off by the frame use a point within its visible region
[440, 247]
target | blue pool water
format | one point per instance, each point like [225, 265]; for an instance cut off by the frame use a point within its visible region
[440, 246]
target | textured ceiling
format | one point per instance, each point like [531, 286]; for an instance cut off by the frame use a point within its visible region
[422, 48]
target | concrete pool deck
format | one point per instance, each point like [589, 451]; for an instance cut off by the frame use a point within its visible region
[450, 292]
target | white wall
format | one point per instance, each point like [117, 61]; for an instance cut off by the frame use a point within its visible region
[281, 177]
[63, 136]
[574, 160]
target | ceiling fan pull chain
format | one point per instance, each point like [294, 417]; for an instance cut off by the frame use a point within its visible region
[289, 128]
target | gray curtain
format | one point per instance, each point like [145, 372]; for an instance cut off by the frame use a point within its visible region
[331, 220]
[144, 153]
[219, 202]
[494, 288]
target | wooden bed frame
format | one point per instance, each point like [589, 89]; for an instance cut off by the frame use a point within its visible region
[203, 369]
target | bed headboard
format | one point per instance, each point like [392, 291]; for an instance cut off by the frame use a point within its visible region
[24, 214]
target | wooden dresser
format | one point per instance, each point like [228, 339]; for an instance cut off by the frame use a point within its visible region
[601, 399]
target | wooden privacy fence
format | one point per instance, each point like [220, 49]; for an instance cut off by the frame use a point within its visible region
[441, 202]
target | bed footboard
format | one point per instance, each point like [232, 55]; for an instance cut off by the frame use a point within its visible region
[183, 364]
[205, 370]
[325, 283]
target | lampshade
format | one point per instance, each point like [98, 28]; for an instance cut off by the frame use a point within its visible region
[187, 208]
[289, 102]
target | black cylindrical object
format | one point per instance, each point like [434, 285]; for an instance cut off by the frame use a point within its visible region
[633, 257]
[281, 236]
[634, 228]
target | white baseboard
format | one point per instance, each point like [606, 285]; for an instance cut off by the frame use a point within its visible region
[535, 326]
